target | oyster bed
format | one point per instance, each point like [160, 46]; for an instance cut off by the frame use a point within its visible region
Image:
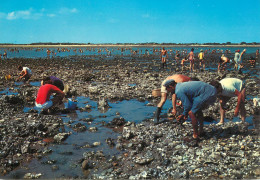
[146, 150]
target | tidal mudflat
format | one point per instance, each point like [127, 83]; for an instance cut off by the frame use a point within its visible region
[111, 133]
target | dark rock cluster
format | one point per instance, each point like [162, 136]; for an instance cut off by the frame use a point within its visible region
[148, 151]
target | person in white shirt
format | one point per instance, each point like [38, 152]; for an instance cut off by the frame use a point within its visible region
[26, 73]
[227, 88]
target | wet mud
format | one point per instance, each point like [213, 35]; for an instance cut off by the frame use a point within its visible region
[111, 133]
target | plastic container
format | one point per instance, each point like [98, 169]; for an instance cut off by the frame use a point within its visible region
[71, 104]
[8, 77]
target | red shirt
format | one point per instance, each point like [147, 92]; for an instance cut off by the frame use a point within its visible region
[45, 92]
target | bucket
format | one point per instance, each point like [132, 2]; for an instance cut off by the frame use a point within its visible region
[71, 104]
[8, 77]
[156, 92]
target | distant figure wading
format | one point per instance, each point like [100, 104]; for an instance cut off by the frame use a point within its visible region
[191, 59]
[164, 55]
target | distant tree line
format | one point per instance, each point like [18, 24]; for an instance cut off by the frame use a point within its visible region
[147, 43]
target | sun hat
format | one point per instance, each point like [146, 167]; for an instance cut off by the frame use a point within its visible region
[201, 50]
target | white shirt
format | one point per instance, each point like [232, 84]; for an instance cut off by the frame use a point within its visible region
[229, 85]
[28, 70]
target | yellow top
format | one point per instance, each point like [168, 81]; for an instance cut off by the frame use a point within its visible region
[201, 55]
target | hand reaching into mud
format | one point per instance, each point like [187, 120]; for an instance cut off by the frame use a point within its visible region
[174, 112]
[181, 118]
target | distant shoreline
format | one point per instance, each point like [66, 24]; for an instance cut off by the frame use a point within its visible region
[117, 45]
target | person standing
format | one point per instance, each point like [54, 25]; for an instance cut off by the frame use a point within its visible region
[257, 55]
[177, 57]
[5, 55]
[201, 59]
[164, 55]
[191, 59]
[195, 96]
[240, 61]
[236, 59]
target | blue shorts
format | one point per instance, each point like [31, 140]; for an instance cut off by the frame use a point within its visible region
[44, 106]
[164, 56]
[199, 103]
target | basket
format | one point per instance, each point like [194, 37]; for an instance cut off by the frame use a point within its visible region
[156, 92]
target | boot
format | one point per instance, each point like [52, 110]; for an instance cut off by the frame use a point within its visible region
[157, 115]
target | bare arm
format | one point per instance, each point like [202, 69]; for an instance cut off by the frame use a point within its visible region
[23, 73]
[173, 104]
[163, 99]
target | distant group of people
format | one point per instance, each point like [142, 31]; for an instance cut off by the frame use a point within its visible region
[222, 64]
[4, 55]
[196, 95]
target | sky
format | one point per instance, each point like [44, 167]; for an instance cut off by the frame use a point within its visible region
[129, 21]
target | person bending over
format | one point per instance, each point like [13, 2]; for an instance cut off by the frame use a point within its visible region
[43, 100]
[25, 73]
[195, 96]
[178, 78]
[227, 88]
[54, 81]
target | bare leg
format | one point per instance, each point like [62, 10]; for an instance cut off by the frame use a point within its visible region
[222, 115]
[242, 105]
[194, 122]
[223, 100]
[201, 122]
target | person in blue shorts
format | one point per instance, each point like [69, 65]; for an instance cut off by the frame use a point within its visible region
[195, 96]
[164, 55]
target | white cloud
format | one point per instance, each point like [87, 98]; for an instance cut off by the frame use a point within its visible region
[51, 15]
[149, 16]
[33, 14]
[26, 14]
[146, 16]
[65, 10]
[74, 10]
[112, 20]
[11, 16]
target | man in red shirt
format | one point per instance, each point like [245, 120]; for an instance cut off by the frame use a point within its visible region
[43, 97]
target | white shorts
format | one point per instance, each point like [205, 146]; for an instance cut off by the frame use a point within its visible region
[44, 106]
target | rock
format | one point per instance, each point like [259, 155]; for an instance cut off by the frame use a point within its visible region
[143, 161]
[85, 165]
[61, 137]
